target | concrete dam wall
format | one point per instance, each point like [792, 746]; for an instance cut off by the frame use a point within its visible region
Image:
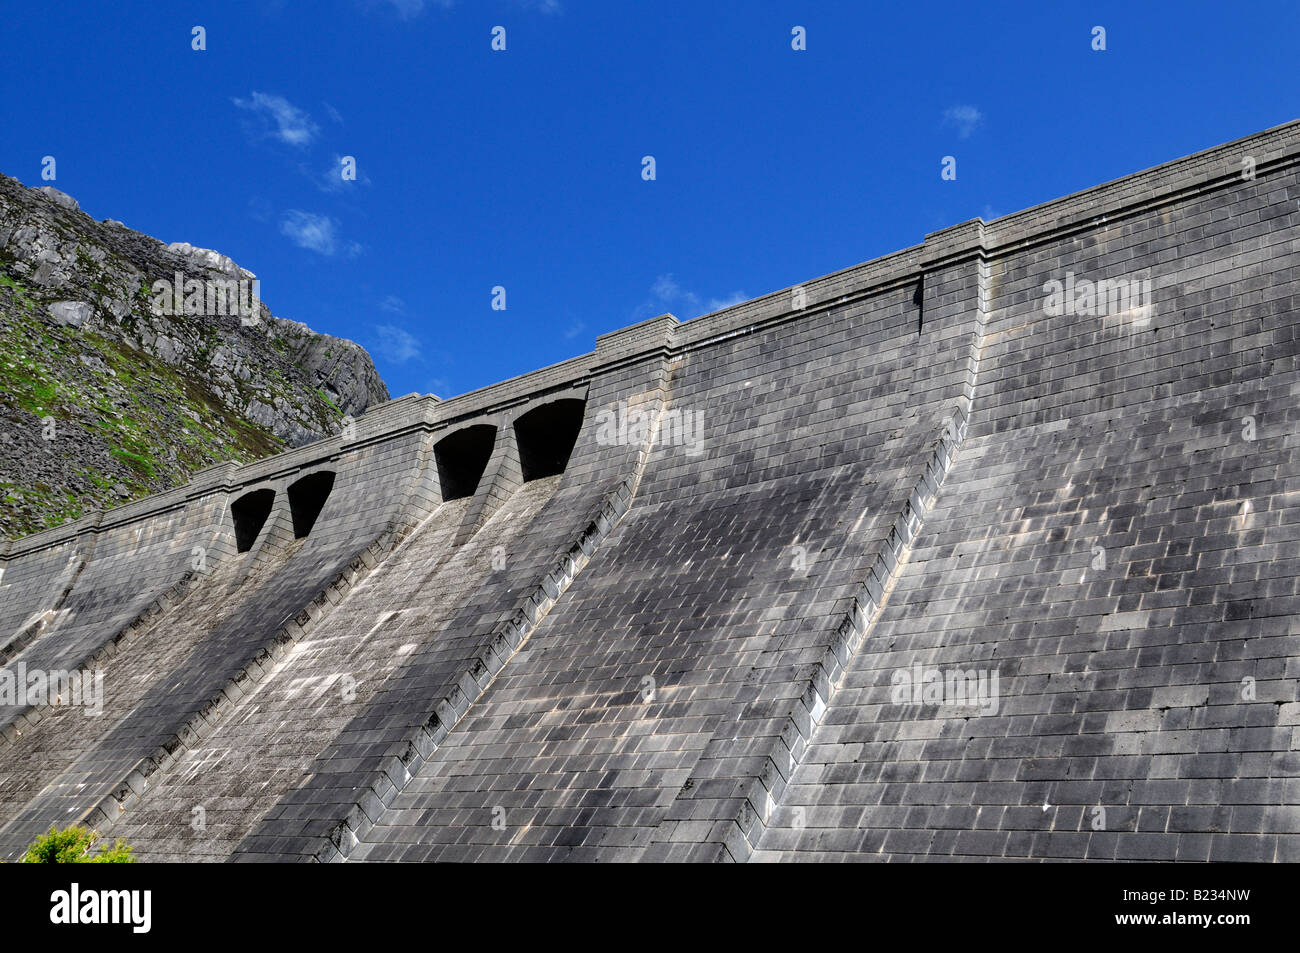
[984, 549]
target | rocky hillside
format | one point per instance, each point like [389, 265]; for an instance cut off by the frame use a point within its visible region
[113, 387]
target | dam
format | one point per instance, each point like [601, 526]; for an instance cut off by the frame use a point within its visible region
[526, 623]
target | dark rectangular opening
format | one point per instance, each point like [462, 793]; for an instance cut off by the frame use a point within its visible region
[250, 513]
[918, 299]
[546, 436]
[306, 499]
[462, 457]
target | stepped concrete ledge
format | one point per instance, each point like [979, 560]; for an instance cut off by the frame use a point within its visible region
[872, 567]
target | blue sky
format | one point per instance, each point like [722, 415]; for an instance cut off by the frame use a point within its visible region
[523, 168]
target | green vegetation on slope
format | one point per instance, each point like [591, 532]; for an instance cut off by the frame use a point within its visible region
[106, 398]
[86, 421]
[75, 845]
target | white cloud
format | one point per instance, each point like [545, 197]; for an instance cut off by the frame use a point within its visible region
[717, 304]
[406, 9]
[330, 178]
[409, 9]
[573, 330]
[394, 304]
[667, 290]
[292, 125]
[964, 118]
[260, 209]
[667, 294]
[316, 232]
[395, 344]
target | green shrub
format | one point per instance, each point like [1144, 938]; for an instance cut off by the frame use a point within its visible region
[75, 845]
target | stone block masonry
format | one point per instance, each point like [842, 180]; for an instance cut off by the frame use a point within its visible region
[637, 647]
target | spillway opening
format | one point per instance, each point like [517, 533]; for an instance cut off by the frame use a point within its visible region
[546, 436]
[462, 457]
[306, 499]
[250, 513]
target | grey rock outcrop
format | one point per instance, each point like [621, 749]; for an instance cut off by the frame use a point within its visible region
[207, 258]
[70, 313]
[49, 244]
[59, 198]
[143, 386]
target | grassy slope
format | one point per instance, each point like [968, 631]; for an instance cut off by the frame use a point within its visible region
[134, 431]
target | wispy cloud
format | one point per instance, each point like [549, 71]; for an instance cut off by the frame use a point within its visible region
[667, 294]
[964, 118]
[279, 118]
[717, 304]
[394, 344]
[573, 330]
[394, 304]
[260, 209]
[318, 233]
[667, 290]
[330, 178]
[407, 8]
[410, 9]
